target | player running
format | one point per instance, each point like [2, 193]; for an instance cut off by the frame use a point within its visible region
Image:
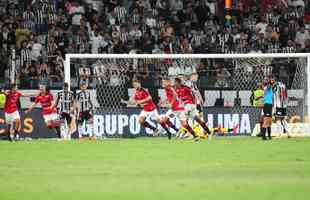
[49, 113]
[85, 107]
[12, 116]
[143, 98]
[176, 108]
[66, 104]
[186, 96]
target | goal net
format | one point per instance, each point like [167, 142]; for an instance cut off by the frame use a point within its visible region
[226, 81]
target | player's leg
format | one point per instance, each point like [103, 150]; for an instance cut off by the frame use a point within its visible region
[64, 127]
[89, 125]
[267, 121]
[17, 124]
[81, 127]
[185, 124]
[142, 121]
[53, 122]
[202, 123]
[162, 121]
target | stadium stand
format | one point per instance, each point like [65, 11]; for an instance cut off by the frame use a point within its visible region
[42, 31]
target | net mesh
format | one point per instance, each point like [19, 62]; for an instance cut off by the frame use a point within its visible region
[229, 79]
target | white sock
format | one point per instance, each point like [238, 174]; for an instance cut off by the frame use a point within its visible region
[81, 130]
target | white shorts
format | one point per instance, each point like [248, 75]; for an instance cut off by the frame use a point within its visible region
[150, 114]
[11, 117]
[180, 114]
[191, 110]
[50, 117]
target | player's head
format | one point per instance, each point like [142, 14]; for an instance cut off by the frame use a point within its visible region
[272, 81]
[13, 87]
[43, 89]
[83, 86]
[178, 82]
[166, 82]
[66, 87]
[194, 76]
[136, 83]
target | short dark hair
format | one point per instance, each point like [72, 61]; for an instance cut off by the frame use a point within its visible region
[136, 80]
[66, 84]
[13, 85]
[178, 80]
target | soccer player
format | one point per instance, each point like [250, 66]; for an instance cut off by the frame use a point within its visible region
[280, 104]
[50, 116]
[143, 98]
[267, 109]
[186, 96]
[85, 107]
[12, 116]
[176, 108]
[66, 104]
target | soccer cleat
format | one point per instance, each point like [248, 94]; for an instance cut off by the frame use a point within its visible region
[235, 129]
[156, 132]
[93, 138]
[196, 139]
[210, 136]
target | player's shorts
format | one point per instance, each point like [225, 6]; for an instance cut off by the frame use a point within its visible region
[280, 112]
[267, 110]
[66, 116]
[180, 114]
[191, 110]
[84, 116]
[10, 118]
[50, 117]
[150, 114]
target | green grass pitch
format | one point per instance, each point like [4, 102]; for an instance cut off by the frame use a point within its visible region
[156, 169]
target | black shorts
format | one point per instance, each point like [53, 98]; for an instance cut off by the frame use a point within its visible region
[84, 116]
[280, 112]
[267, 110]
[66, 116]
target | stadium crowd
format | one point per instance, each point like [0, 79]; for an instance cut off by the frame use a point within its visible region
[42, 31]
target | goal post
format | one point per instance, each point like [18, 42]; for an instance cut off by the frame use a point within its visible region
[242, 63]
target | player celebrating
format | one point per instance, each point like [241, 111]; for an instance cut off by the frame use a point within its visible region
[12, 117]
[176, 109]
[85, 107]
[50, 116]
[186, 96]
[66, 103]
[143, 98]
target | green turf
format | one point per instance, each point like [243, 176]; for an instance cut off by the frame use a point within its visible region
[155, 169]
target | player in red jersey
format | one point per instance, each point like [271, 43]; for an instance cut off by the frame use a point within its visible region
[51, 118]
[177, 109]
[143, 98]
[12, 116]
[186, 96]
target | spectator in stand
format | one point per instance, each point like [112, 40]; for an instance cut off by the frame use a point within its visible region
[301, 36]
[222, 77]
